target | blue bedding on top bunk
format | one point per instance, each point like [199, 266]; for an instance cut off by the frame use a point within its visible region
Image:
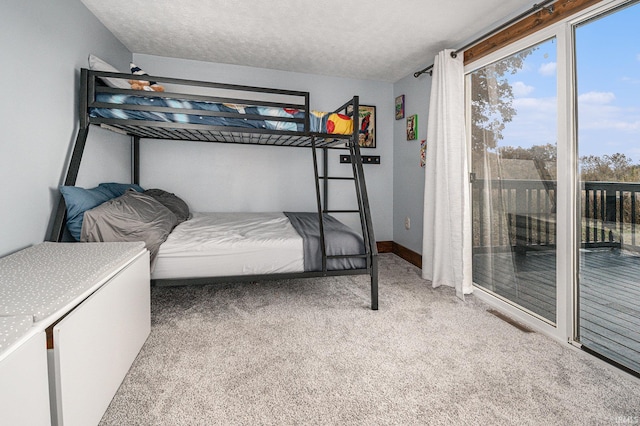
[316, 123]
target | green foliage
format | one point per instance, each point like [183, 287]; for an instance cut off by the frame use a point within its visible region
[545, 153]
[608, 168]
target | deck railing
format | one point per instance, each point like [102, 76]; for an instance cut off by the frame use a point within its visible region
[523, 214]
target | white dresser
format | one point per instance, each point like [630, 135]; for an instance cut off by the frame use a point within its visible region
[92, 303]
[24, 387]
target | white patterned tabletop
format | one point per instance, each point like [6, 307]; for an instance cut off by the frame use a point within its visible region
[12, 329]
[41, 279]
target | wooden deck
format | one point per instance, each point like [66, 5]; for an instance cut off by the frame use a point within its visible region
[528, 280]
[609, 290]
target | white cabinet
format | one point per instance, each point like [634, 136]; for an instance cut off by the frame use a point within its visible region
[89, 311]
[94, 346]
[24, 389]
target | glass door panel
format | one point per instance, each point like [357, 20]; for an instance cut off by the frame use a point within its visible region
[514, 140]
[608, 99]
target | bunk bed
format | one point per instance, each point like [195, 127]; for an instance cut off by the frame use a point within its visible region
[190, 110]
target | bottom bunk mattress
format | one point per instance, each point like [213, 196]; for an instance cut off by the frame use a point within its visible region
[233, 244]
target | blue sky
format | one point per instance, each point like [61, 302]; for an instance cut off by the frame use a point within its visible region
[608, 69]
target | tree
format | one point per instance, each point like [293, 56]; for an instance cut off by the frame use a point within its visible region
[491, 108]
[492, 100]
[608, 168]
[546, 153]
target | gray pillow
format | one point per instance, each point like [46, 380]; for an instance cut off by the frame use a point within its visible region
[132, 217]
[98, 64]
[170, 201]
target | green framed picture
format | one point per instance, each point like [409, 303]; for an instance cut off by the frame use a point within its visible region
[412, 127]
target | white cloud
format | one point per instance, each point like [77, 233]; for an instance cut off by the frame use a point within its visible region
[547, 69]
[629, 80]
[599, 98]
[609, 122]
[604, 126]
[527, 105]
[598, 114]
[533, 124]
[520, 89]
[605, 129]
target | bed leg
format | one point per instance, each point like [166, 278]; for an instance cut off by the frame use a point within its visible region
[374, 283]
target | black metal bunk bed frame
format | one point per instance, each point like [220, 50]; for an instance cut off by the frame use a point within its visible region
[90, 85]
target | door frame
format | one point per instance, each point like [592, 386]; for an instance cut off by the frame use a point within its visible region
[566, 327]
[561, 329]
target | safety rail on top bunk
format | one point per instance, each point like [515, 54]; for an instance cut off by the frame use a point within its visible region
[207, 92]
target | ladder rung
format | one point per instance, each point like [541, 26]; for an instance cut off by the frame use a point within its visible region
[337, 177]
[341, 256]
[342, 211]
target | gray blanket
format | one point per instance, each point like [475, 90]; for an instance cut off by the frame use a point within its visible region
[131, 217]
[339, 239]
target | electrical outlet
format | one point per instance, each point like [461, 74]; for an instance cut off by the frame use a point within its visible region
[407, 222]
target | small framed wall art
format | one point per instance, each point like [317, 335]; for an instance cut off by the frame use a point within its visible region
[412, 127]
[400, 107]
[367, 131]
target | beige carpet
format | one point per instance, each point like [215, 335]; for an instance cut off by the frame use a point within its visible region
[312, 352]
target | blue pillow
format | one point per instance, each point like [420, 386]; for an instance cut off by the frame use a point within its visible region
[118, 189]
[78, 200]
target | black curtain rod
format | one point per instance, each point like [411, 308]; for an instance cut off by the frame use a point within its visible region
[534, 8]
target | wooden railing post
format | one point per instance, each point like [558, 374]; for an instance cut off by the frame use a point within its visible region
[610, 200]
[521, 220]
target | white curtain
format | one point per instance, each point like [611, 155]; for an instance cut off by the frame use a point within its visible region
[446, 248]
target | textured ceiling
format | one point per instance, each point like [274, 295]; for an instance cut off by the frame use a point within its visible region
[363, 39]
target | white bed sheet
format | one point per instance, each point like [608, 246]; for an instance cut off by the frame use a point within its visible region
[229, 244]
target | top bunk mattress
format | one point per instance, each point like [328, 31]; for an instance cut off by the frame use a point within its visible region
[171, 110]
[196, 112]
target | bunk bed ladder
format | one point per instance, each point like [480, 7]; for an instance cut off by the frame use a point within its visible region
[363, 212]
[325, 210]
[365, 218]
[323, 246]
[363, 202]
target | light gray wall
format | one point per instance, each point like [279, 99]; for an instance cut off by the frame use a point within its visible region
[219, 177]
[408, 176]
[43, 45]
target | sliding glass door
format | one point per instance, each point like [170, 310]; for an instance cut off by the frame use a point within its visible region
[513, 122]
[554, 125]
[608, 116]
